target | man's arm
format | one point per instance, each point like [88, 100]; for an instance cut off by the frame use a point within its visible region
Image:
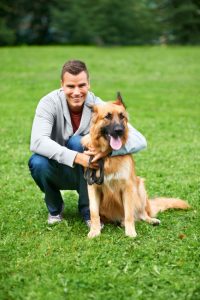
[41, 142]
[136, 142]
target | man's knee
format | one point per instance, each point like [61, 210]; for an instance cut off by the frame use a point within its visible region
[38, 165]
[74, 143]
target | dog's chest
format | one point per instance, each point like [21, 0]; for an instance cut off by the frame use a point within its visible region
[115, 179]
[117, 172]
[117, 176]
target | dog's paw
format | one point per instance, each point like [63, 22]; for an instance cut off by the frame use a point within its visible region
[93, 233]
[131, 233]
[122, 224]
[155, 222]
[86, 141]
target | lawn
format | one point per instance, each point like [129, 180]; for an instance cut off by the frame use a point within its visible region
[161, 88]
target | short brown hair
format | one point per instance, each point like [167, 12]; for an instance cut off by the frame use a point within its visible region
[74, 67]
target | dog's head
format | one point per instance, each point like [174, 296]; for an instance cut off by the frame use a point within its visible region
[109, 125]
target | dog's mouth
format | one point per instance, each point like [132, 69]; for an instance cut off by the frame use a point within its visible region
[115, 143]
[114, 135]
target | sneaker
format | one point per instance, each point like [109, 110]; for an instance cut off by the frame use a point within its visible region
[85, 213]
[55, 219]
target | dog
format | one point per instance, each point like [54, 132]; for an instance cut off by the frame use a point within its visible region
[122, 196]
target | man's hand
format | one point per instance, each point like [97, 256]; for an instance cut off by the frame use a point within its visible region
[97, 155]
[83, 160]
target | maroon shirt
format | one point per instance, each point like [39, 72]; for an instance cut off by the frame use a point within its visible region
[75, 119]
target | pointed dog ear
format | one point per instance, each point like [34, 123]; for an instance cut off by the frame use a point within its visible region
[119, 100]
[119, 97]
[92, 107]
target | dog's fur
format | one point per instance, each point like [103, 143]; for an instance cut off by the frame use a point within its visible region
[122, 197]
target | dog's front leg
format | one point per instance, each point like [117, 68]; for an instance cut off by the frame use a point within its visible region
[128, 198]
[94, 198]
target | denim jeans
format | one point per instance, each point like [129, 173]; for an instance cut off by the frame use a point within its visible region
[51, 177]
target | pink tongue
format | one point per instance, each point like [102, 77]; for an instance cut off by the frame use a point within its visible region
[115, 143]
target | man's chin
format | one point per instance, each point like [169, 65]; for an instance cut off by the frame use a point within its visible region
[77, 106]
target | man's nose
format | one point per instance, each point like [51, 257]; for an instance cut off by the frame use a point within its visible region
[76, 91]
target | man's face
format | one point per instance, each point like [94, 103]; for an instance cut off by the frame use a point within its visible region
[75, 88]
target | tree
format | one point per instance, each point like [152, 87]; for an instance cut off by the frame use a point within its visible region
[101, 22]
[105, 22]
[25, 21]
[180, 20]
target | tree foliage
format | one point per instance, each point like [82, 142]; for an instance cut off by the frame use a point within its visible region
[101, 22]
[180, 20]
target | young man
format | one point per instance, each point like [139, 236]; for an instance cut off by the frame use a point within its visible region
[61, 119]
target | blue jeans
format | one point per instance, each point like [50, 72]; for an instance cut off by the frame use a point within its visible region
[51, 177]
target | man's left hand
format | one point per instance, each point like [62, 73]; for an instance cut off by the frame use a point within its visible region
[97, 155]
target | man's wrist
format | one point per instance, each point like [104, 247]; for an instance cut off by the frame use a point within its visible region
[77, 158]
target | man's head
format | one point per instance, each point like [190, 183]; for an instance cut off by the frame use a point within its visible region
[75, 83]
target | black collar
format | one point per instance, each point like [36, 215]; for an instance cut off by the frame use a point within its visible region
[90, 174]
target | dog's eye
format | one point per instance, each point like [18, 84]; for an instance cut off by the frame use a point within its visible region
[108, 116]
[121, 116]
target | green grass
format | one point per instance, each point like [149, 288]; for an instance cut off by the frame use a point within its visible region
[161, 88]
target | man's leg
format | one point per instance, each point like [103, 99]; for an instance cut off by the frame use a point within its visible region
[74, 143]
[51, 177]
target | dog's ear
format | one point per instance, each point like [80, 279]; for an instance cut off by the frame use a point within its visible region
[119, 100]
[92, 107]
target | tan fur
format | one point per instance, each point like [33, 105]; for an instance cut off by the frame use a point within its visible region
[162, 204]
[156, 205]
[122, 197]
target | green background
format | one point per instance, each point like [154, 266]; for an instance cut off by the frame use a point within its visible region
[160, 86]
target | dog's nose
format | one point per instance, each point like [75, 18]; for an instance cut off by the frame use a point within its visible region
[119, 130]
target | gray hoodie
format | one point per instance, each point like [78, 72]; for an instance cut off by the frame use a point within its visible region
[52, 128]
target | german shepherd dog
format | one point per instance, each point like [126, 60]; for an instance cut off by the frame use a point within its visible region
[122, 196]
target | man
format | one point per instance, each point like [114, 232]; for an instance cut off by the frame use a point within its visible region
[62, 118]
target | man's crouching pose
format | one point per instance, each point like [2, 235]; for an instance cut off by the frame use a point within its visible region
[62, 118]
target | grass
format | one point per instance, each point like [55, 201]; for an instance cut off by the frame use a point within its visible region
[160, 86]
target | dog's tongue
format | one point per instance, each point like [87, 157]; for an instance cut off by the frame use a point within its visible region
[115, 143]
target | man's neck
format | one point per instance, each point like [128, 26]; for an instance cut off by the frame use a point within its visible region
[75, 110]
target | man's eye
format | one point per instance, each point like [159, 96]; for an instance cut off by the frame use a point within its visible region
[108, 116]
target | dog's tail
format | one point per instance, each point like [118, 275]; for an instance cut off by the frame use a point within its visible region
[161, 204]
[156, 205]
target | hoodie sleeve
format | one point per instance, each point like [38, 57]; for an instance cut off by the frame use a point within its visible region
[41, 142]
[136, 142]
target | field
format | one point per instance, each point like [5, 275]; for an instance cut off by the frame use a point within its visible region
[161, 88]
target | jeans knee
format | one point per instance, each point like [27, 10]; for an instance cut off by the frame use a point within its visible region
[74, 143]
[38, 165]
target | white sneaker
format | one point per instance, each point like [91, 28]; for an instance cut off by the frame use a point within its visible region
[55, 219]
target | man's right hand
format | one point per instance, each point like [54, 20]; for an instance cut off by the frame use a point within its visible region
[83, 160]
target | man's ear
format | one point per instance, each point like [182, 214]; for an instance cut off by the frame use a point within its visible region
[61, 83]
[119, 100]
